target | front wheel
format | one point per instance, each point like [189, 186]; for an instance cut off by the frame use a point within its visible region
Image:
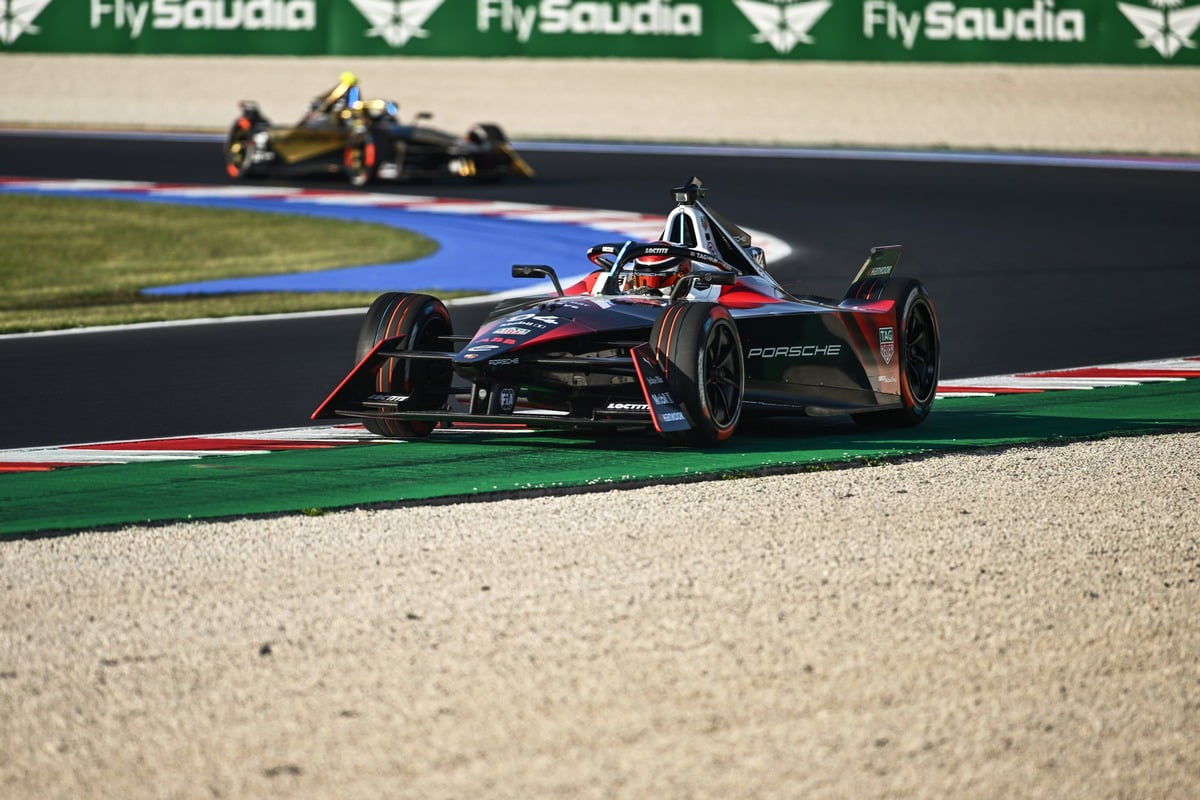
[919, 346]
[424, 323]
[698, 347]
[498, 158]
[358, 157]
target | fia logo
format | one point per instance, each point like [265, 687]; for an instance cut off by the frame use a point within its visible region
[17, 16]
[1166, 27]
[783, 24]
[887, 344]
[397, 21]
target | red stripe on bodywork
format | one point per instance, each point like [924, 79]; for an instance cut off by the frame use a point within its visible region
[741, 296]
[587, 285]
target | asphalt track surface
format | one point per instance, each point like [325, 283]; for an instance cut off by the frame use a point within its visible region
[1031, 267]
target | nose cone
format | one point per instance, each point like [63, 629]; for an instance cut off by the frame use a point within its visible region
[516, 331]
[549, 322]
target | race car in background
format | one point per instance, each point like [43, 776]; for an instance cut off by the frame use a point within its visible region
[688, 335]
[364, 140]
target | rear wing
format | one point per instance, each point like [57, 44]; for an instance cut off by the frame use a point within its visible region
[880, 263]
[875, 272]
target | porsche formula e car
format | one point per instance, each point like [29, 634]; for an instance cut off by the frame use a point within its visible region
[366, 141]
[689, 336]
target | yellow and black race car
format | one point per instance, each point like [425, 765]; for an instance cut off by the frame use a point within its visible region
[365, 140]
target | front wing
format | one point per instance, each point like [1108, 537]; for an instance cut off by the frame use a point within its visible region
[357, 396]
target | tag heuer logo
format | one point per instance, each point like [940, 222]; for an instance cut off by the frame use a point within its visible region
[783, 24]
[1166, 27]
[887, 344]
[397, 21]
[17, 16]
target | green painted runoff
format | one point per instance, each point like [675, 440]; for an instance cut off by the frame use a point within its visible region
[476, 465]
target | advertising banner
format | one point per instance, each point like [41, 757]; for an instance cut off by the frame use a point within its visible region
[1014, 31]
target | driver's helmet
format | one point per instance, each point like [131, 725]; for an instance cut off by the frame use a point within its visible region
[658, 270]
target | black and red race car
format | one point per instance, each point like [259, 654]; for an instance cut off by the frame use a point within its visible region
[689, 336]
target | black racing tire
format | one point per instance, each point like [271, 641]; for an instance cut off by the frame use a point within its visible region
[918, 345]
[359, 157]
[698, 347]
[424, 322]
[497, 159]
[240, 147]
[487, 133]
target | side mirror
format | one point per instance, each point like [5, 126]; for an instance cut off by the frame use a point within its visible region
[537, 271]
[722, 278]
[703, 280]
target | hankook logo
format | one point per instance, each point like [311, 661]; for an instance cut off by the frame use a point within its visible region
[1166, 27]
[397, 21]
[17, 16]
[781, 23]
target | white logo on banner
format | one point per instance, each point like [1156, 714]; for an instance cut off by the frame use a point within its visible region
[590, 17]
[783, 26]
[1166, 27]
[17, 16]
[397, 21]
[139, 16]
[941, 21]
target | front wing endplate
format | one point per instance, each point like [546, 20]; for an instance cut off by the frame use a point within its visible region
[665, 411]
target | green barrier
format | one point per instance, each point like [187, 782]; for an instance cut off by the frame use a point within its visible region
[470, 465]
[1029, 31]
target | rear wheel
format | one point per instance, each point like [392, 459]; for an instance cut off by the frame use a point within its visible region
[240, 149]
[698, 347]
[919, 347]
[424, 322]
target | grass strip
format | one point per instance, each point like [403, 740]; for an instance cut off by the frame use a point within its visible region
[74, 262]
